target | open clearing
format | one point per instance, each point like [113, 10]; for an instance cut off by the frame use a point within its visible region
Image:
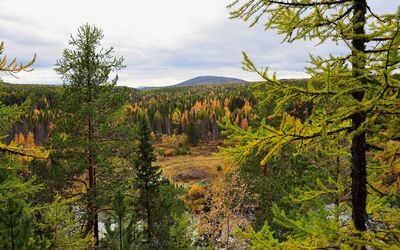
[200, 165]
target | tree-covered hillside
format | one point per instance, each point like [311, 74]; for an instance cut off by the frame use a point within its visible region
[170, 110]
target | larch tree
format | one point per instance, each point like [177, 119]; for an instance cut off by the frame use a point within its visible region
[86, 134]
[355, 96]
[11, 114]
[15, 208]
[61, 225]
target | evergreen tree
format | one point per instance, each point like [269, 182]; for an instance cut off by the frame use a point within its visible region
[157, 201]
[124, 234]
[87, 134]
[148, 181]
[192, 134]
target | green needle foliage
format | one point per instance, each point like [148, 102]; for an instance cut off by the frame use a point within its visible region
[121, 228]
[15, 224]
[89, 131]
[355, 106]
[15, 185]
[148, 182]
[59, 221]
[157, 203]
[192, 134]
[182, 233]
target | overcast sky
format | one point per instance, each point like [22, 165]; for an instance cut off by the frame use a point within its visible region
[163, 41]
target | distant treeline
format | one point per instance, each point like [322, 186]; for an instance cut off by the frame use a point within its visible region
[170, 110]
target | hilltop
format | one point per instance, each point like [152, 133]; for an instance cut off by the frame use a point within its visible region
[204, 80]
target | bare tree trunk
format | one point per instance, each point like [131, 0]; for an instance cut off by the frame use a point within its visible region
[358, 145]
[149, 224]
[120, 231]
[12, 231]
[167, 125]
[227, 231]
[93, 222]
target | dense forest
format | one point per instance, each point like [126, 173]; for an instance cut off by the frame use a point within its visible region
[170, 110]
[275, 164]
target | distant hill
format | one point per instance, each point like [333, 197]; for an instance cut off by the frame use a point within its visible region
[203, 80]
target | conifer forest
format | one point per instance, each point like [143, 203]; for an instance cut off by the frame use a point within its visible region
[275, 163]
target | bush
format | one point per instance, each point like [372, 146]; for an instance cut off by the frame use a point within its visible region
[196, 192]
[183, 151]
[161, 152]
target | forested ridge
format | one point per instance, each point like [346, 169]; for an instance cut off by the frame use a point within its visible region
[273, 164]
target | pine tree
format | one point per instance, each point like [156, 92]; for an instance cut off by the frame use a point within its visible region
[353, 95]
[88, 112]
[124, 234]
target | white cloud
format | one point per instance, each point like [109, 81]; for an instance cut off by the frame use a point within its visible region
[163, 42]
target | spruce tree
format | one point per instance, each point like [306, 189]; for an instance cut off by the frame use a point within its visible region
[148, 180]
[192, 134]
[157, 203]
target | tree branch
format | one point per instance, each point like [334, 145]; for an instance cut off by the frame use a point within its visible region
[297, 4]
[22, 152]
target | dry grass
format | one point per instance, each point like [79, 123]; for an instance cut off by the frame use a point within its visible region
[190, 169]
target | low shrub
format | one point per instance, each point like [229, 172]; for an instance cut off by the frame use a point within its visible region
[196, 192]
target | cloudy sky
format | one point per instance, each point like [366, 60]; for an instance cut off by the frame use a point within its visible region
[163, 42]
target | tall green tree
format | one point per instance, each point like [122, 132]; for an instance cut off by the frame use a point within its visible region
[192, 134]
[86, 134]
[157, 204]
[148, 180]
[354, 95]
